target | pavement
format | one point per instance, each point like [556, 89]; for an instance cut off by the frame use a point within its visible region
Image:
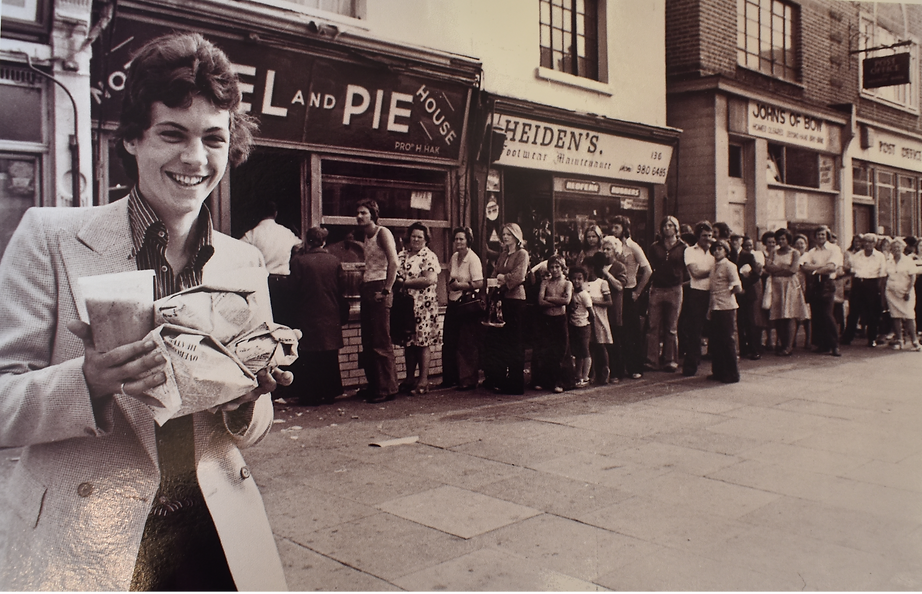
[806, 475]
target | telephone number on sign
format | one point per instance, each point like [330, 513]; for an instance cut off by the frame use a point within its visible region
[652, 171]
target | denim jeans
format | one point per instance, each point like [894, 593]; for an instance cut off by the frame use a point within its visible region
[665, 305]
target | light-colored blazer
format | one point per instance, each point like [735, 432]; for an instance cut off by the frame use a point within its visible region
[77, 501]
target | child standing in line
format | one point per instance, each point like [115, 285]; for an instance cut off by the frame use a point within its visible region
[580, 329]
[725, 285]
[600, 292]
[553, 297]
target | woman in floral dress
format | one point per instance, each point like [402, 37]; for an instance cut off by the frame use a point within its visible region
[418, 272]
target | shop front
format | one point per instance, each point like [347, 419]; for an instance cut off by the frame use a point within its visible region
[336, 126]
[556, 178]
[886, 177]
[784, 167]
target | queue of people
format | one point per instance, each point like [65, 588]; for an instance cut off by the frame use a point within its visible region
[614, 311]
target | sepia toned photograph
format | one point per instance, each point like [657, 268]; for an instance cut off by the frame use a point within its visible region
[457, 295]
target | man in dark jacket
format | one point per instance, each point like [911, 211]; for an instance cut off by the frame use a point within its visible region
[319, 311]
[750, 271]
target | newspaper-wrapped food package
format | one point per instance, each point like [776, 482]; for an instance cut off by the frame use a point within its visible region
[215, 341]
[221, 311]
[201, 373]
[268, 345]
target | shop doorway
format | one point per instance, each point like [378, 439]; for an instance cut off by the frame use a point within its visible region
[528, 202]
[268, 175]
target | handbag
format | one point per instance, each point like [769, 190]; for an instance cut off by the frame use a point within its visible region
[471, 305]
[403, 318]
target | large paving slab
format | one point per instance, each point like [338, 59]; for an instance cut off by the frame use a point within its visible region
[856, 529]
[457, 511]
[830, 490]
[555, 494]
[490, 570]
[715, 497]
[569, 547]
[672, 570]
[664, 524]
[307, 571]
[600, 469]
[674, 457]
[819, 564]
[528, 451]
[804, 458]
[385, 546]
[301, 510]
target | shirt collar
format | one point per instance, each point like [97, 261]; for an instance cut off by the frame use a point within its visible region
[141, 217]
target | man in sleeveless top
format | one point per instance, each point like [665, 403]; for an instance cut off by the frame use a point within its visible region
[377, 357]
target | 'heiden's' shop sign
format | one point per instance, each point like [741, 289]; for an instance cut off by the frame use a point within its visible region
[542, 145]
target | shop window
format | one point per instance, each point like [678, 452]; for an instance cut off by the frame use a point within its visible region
[404, 194]
[348, 8]
[20, 177]
[793, 166]
[21, 97]
[873, 34]
[885, 194]
[767, 37]
[861, 181]
[906, 206]
[735, 161]
[897, 204]
[22, 145]
[570, 36]
[26, 19]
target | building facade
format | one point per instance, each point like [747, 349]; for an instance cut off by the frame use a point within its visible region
[782, 123]
[570, 129]
[45, 145]
[549, 113]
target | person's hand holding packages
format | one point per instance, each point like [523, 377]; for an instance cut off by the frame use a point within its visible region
[118, 356]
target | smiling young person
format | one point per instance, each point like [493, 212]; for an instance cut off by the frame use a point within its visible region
[188, 513]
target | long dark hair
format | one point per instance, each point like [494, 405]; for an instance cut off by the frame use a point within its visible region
[173, 69]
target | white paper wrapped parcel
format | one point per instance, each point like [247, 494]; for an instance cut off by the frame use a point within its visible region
[201, 373]
[215, 343]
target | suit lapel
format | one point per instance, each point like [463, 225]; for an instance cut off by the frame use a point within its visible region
[103, 246]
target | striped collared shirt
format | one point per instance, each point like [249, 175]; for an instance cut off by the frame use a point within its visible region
[150, 238]
[178, 482]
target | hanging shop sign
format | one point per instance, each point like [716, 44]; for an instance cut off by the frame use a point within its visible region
[306, 99]
[535, 144]
[885, 71]
[781, 124]
[886, 148]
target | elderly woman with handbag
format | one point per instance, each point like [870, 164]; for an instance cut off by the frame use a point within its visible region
[463, 314]
[417, 272]
[504, 351]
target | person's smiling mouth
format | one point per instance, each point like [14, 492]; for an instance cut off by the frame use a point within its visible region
[188, 181]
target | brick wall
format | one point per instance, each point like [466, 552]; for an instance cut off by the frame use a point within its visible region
[701, 39]
[695, 114]
[353, 376]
